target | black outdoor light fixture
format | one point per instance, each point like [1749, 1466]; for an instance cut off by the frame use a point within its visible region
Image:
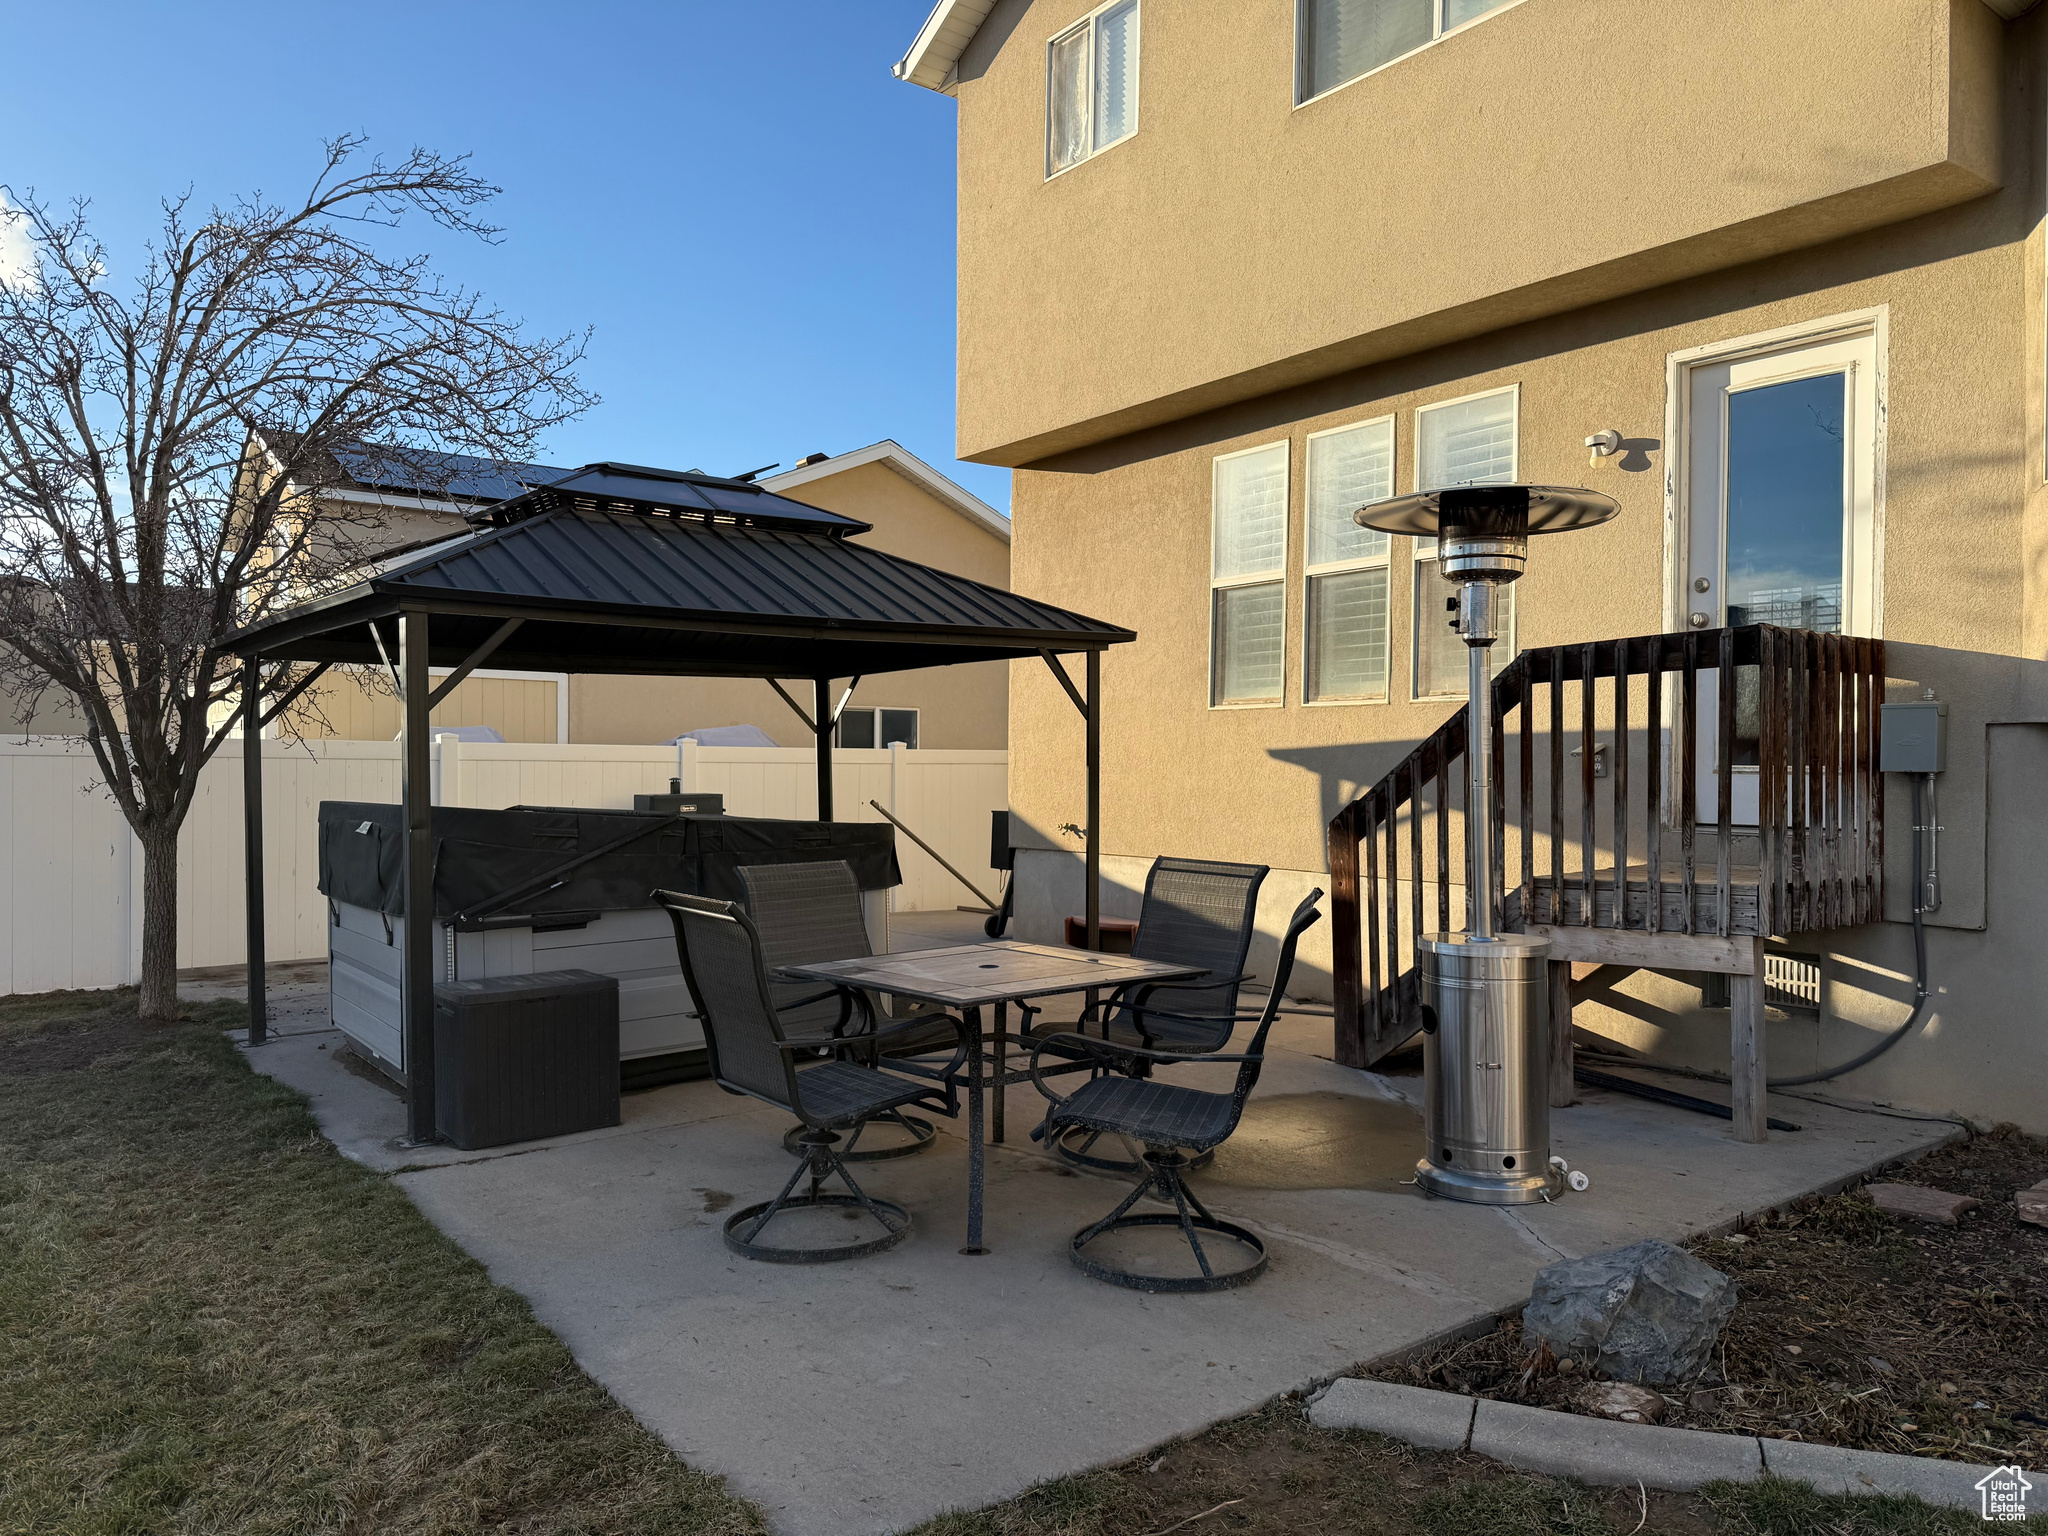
[1485, 1005]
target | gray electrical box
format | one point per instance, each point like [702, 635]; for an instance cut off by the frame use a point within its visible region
[1914, 738]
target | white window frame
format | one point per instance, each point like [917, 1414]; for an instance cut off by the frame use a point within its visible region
[1302, 97]
[876, 711]
[1276, 577]
[1507, 647]
[1384, 560]
[1137, 78]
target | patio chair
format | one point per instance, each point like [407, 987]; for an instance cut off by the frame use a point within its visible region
[1174, 1124]
[807, 914]
[751, 1054]
[1196, 912]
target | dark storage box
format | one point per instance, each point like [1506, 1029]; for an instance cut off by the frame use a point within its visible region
[681, 804]
[519, 1057]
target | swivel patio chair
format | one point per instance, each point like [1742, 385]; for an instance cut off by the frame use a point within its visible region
[1175, 1125]
[807, 914]
[751, 1054]
[1196, 912]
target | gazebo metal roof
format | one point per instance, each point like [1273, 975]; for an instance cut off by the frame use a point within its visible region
[626, 570]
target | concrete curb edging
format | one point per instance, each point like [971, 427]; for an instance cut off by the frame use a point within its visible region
[1605, 1451]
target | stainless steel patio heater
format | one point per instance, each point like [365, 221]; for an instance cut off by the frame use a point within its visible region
[1485, 1005]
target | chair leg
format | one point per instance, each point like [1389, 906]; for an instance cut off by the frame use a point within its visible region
[1162, 1170]
[821, 1161]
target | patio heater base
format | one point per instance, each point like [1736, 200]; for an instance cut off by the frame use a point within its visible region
[1485, 1189]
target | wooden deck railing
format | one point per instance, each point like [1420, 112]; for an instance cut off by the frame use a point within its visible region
[1801, 714]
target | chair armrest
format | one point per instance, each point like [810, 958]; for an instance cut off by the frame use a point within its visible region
[898, 1064]
[1096, 1046]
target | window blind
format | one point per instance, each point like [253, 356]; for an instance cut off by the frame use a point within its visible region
[1116, 73]
[1343, 39]
[1468, 442]
[1345, 471]
[1251, 514]
[1346, 38]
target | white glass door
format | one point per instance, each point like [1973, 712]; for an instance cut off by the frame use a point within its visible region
[1780, 521]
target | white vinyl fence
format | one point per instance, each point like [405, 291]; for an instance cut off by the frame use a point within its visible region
[71, 872]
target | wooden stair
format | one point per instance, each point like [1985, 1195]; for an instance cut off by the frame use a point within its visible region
[1695, 895]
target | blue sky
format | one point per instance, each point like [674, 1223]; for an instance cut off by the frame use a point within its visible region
[755, 216]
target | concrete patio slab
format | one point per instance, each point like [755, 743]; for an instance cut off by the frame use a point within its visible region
[868, 1396]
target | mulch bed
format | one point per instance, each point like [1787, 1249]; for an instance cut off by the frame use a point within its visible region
[1852, 1327]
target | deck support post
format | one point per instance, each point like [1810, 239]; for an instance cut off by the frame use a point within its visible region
[416, 790]
[252, 843]
[1746, 1048]
[1562, 1084]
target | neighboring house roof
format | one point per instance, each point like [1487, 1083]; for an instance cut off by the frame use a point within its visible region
[935, 53]
[907, 464]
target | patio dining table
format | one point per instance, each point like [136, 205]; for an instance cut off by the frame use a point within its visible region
[971, 977]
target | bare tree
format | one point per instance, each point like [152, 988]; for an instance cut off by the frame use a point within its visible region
[163, 451]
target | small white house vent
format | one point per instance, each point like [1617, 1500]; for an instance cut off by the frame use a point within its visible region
[1791, 982]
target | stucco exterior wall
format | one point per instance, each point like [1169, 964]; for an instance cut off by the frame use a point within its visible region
[1120, 528]
[1554, 154]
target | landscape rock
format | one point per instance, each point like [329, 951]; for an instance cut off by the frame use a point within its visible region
[2033, 1204]
[1647, 1313]
[1920, 1202]
[1622, 1400]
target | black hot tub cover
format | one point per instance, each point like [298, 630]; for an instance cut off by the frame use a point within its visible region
[501, 868]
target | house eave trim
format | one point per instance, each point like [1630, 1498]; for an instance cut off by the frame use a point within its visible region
[934, 55]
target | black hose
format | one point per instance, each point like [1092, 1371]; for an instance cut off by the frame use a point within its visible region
[1919, 977]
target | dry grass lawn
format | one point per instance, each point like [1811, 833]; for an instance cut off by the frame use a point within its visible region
[210, 1321]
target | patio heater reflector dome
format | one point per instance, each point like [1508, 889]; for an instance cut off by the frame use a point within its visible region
[1485, 1003]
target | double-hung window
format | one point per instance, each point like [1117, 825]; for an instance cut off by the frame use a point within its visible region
[1459, 442]
[1346, 565]
[877, 727]
[1339, 40]
[1247, 576]
[1091, 86]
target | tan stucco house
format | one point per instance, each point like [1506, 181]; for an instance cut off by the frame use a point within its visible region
[915, 511]
[1228, 272]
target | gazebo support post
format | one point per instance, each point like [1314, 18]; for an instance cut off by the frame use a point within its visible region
[821, 725]
[416, 988]
[252, 842]
[1094, 835]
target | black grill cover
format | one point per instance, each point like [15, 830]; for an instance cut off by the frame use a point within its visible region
[555, 862]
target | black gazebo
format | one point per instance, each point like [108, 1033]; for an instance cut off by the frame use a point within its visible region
[622, 569]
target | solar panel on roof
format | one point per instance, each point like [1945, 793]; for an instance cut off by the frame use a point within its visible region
[420, 471]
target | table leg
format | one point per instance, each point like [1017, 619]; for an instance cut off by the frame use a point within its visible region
[976, 1152]
[1002, 1066]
